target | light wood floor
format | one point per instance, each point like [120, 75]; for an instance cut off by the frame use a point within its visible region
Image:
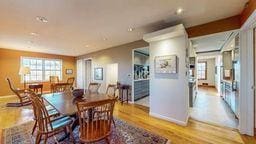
[211, 108]
[195, 132]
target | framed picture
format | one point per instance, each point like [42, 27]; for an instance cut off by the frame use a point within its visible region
[98, 73]
[166, 64]
[69, 71]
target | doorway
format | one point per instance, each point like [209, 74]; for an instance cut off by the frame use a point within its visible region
[140, 86]
[88, 72]
[216, 78]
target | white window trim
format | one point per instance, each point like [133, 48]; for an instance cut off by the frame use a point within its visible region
[43, 69]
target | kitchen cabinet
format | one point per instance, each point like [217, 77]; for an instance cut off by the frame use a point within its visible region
[230, 96]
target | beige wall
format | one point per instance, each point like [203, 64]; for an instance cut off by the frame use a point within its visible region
[122, 55]
[10, 64]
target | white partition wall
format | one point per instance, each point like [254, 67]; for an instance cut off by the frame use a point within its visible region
[169, 92]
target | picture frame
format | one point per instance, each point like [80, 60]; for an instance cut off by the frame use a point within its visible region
[166, 64]
[98, 73]
[69, 71]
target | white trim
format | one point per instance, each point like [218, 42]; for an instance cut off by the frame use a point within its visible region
[246, 97]
[182, 123]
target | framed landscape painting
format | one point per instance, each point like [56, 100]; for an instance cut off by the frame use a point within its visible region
[98, 73]
[166, 64]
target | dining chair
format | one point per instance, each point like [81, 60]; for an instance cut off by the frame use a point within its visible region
[53, 80]
[95, 125]
[22, 94]
[53, 113]
[111, 90]
[48, 127]
[70, 83]
[94, 87]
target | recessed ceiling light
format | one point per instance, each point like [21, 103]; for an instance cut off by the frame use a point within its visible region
[232, 45]
[105, 39]
[41, 19]
[130, 29]
[179, 11]
[86, 46]
[34, 34]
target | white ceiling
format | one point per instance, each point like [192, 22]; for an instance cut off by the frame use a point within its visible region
[211, 43]
[73, 24]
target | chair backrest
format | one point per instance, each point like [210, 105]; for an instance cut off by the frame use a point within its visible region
[13, 89]
[111, 90]
[95, 119]
[93, 87]
[41, 114]
[71, 81]
[54, 79]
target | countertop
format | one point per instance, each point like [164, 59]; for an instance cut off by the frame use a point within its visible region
[141, 79]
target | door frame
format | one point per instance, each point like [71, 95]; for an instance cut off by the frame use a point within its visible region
[246, 99]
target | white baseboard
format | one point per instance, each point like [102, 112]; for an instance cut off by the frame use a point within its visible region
[182, 123]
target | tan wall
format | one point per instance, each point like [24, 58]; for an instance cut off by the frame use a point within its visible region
[10, 64]
[120, 54]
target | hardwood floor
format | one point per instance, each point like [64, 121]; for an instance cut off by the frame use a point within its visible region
[211, 108]
[195, 132]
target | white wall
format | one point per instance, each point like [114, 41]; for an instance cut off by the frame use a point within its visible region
[210, 72]
[120, 55]
[169, 92]
[218, 60]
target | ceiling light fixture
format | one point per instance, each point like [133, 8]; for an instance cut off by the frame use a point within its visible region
[105, 39]
[41, 19]
[179, 11]
[86, 46]
[130, 29]
[34, 34]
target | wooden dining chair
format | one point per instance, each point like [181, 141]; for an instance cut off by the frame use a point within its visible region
[51, 111]
[48, 127]
[94, 87]
[70, 83]
[111, 90]
[53, 80]
[22, 95]
[95, 125]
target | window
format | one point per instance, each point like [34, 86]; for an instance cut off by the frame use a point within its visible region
[201, 70]
[41, 69]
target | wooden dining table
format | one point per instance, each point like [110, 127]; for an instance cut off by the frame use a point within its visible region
[65, 103]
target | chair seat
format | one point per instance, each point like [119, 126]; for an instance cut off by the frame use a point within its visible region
[61, 122]
[97, 130]
[53, 112]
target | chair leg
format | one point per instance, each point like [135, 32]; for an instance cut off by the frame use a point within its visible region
[70, 133]
[45, 139]
[107, 140]
[114, 122]
[34, 127]
[38, 138]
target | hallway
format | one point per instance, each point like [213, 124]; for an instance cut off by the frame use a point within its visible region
[211, 108]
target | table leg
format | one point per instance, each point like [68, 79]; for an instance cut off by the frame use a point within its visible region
[73, 126]
[127, 95]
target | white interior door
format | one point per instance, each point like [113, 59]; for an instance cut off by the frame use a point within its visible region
[87, 73]
[80, 75]
[112, 74]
